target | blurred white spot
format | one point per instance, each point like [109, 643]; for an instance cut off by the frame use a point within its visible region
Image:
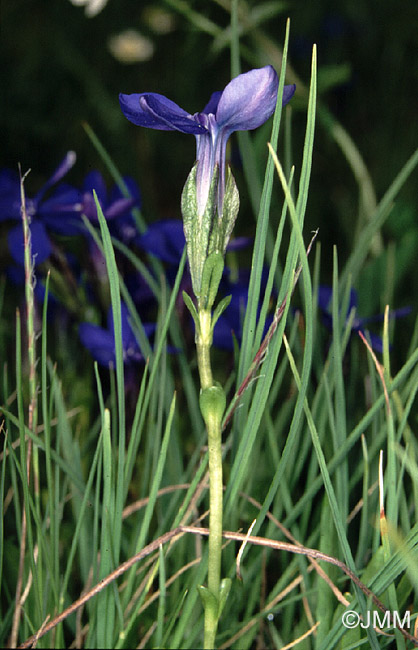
[93, 7]
[270, 617]
[159, 20]
[130, 47]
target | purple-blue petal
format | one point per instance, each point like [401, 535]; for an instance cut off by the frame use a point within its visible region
[88, 207]
[248, 100]
[175, 118]
[9, 182]
[164, 239]
[99, 342]
[154, 111]
[375, 340]
[9, 195]
[288, 92]
[239, 243]
[40, 243]
[65, 165]
[133, 189]
[325, 299]
[212, 104]
[118, 208]
[395, 313]
[95, 181]
[223, 333]
[124, 228]
[131, 350]
[231, 322]
[61, 212]
[128, 336]
[139, 291]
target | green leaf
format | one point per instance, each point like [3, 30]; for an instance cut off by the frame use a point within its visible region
[192, 309]
[113, 275]
[219, 310]
[230, 211]
[211, 276]
[224, 590]
[208, 598]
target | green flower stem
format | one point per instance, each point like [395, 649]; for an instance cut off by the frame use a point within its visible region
[203, 345]
[215, 528]
[212, 404]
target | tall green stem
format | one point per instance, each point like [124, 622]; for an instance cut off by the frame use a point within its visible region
[212, 404]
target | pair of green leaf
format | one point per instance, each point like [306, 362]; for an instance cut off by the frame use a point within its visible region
[211, 277]
[210, 600]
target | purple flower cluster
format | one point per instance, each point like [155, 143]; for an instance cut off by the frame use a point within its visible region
[55, 215]
[59, 213]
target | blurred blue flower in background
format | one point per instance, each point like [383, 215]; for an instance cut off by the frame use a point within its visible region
[164, 239]
[61, 212]
[358, 324]
[101, 342]
[115, 206]
[39, 210]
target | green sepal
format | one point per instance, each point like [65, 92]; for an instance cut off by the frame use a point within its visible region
[219, 310]
[213, 268]
[230, 210]
[192, 309]
[208, 598]
[212, 403]
[224, 589]
[209, 232]
[198, 228]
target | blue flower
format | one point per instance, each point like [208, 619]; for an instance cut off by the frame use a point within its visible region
[244, 104]
[38, 209]
[16, 274]
[61, 212]
[116, 207]
[358, 324]
[101, 342]
[164, 239]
